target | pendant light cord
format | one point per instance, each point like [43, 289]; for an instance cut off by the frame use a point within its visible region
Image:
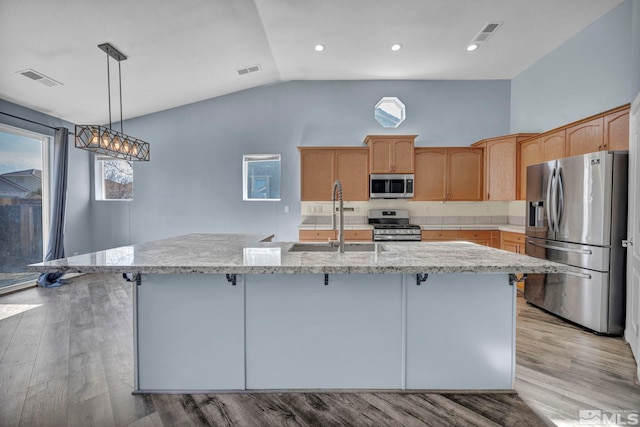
[109, 89]
[120, 83]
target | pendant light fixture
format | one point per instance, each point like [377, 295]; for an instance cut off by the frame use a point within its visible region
[105, 140]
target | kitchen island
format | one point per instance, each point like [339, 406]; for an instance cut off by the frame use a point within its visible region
[221, 312]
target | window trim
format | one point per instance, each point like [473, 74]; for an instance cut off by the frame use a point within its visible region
[246, 159]
[98, 168]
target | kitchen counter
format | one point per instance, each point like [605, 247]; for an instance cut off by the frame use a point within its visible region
[251, 254]
[232, 312]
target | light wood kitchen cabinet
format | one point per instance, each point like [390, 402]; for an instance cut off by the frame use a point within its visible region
[439, 235]
[448, 174]
[606, 131]
[481, 237]
[358, 235]
[326, 235]
[320, 167]
[430, 176]
[616, 131]
[585, 137]
[317, 235]
[530, 154]
[391, 153]
[514, 242]
[501, 166]
[464, 174]
[553, 145]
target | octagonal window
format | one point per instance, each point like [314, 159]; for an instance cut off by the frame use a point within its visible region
[389, 112]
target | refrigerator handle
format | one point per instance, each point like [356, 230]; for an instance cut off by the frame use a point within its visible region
[560, 207]
[550, 209]
[581, 275]
[558, 248]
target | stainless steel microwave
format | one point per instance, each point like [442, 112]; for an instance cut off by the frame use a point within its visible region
[391, 186]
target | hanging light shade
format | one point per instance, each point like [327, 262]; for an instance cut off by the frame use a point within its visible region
[105, 140]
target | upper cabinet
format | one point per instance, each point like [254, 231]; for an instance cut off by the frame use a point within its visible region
[616, 130]
[321, 166]
[585, 137]
[605, 131]
[391, 153]
[501, 161]
[448, 174]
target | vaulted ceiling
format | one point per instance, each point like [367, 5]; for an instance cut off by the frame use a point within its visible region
[185, 51]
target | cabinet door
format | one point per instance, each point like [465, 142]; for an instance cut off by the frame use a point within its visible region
[530, 154]
[352, 168]
[380, 156]
[430, 174]
[585, 137]
[616, 131]
[316, 171]
[402, 156]
[553, 146]
[500, 169]
[464, 173]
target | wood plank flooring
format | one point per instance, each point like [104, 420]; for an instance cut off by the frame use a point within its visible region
[66, 359]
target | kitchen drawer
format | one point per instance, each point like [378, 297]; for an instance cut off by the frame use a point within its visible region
[359, 235]
[316, 235]
[439, 235]
[474, 235]
[513, 237]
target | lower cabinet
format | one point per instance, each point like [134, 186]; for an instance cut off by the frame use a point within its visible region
[481, 237]
[513, 242]
[325, 235]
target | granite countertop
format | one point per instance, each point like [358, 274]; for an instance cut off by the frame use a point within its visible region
[249, 253]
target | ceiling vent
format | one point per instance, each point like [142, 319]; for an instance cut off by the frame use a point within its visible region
[39, 77]
[487, 31]
[251, 69]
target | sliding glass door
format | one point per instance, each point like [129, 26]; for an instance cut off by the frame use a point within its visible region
[23, 207]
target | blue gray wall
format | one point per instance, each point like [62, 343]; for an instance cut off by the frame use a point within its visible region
[78, 232]
[590, 73]
[193, 182]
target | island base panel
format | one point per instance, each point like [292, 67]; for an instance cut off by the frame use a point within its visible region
[190, 332]
[303, 334]
[461, 332]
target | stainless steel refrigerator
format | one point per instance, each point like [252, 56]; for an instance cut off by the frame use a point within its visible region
[577, 215]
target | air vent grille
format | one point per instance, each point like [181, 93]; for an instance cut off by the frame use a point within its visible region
[39, 77]
[487, 31]
[247, 70]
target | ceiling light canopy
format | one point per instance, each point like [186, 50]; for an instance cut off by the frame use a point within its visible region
[105, 140]
[319, 47]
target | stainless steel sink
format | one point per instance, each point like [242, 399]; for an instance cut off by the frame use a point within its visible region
[348, 247]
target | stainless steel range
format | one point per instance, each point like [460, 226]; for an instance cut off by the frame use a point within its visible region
[392, 225]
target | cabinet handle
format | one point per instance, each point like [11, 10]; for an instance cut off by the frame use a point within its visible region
[599, 147]
[488, 196]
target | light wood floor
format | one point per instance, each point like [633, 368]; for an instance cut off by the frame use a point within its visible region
[66, 359]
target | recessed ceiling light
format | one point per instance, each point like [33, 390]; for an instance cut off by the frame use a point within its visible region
[472, 47]
[319, 47]
[396, 46]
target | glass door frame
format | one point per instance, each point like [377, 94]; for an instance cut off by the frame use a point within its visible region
[47, 167]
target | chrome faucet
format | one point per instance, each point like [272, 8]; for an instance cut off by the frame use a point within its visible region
[337, 186]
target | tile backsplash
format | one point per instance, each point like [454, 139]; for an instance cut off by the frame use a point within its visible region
[422, 213]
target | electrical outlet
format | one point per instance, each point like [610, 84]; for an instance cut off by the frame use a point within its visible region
[426, 209]
[286, 209]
